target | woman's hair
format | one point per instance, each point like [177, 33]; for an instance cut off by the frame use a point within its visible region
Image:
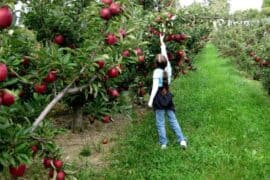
[161, 62]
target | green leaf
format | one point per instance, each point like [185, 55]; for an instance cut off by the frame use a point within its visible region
[23, 158]
[21, 147]
[5, 126]
[10, 82]
[12, 161]
[66, 59]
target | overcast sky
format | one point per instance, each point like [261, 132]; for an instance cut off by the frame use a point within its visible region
[235, 4]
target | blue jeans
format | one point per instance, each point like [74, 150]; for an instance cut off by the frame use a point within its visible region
[160, 123]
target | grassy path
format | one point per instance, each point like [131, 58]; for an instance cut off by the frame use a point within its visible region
[226, 119]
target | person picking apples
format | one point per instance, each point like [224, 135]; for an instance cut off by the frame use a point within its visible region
[161, 98]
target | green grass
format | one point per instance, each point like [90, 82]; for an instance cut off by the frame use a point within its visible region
[86, 151]
[226, 119]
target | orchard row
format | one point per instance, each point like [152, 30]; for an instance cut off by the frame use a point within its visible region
[249, 46]
[82, 55]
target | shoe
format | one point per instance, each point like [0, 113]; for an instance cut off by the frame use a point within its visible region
[183, 144]
[163, 146]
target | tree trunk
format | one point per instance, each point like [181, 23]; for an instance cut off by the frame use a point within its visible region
[77, 121]
[57, 98]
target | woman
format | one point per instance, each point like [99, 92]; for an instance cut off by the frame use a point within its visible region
[161, 98]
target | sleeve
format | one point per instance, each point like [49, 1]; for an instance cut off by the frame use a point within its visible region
[169, 67]
[153, 92]
[164, 51]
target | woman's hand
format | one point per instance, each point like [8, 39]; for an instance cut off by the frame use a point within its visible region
[162, 35]
[150, 104]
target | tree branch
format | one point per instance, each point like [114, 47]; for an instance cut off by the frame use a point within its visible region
[77, 89]
[57, 98]
[49, 107]
[21, 79]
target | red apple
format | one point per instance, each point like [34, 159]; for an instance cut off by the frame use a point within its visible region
[155, 32]
[170, 56]
[138, 51]
[125, 53]
[111, 39]
[40, 88]
[25, 62]
[169, 37]
[265, 63]
[257, 59]
[150, 29]
[57, 164]
[72, 46]
[34, 148]
[51, 173]
[122, 32]
[22, 94]
[141, 92]
[183, 37]
[105, 13]
[105, 78]
[113, 72]
[105, 141]
[170, 15]
[178, 37]
[47, 162]
[17, 171]
[8, 99]
[113, 93]
[252, 54]
[106, 2]
[5, 17]
[184, 72]
[101, 63]
[51, 77]
[1, 92]
[59, 39]
[106, 119]
[115, 8]
[180, 53]
[60, 175]
[109, 91]
[175, 37]
[141, 59]
[3, 72]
